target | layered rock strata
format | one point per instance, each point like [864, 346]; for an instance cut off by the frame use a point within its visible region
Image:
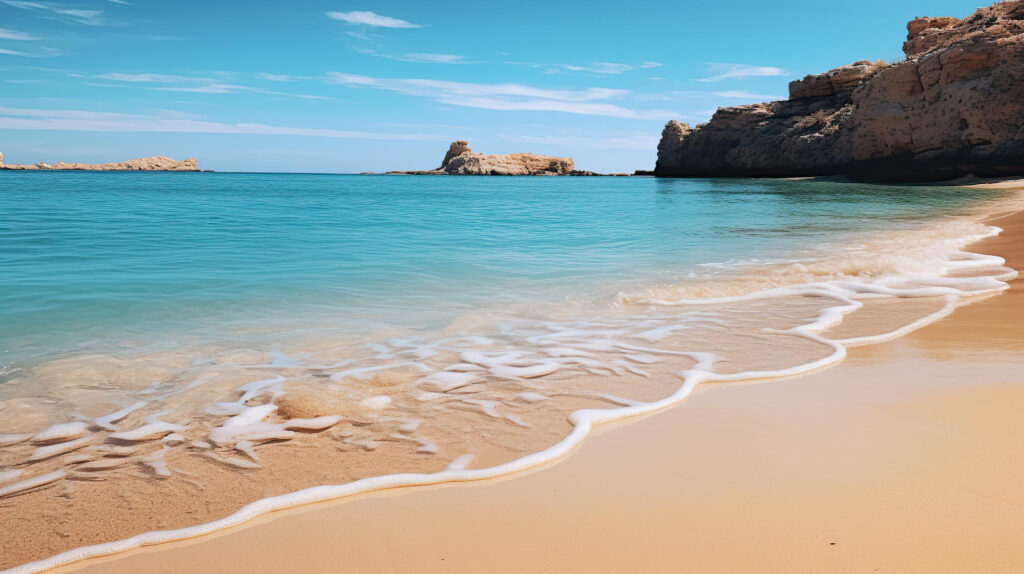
[954, 107]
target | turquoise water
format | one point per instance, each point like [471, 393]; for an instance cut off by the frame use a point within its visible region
[96, 261]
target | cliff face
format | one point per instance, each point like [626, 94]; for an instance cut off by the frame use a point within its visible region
[461, 160]
[158, 163]
[955, 106]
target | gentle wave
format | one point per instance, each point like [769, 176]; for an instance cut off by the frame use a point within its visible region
[776, 323]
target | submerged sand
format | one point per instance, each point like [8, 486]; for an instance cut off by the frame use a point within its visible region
[907, 457]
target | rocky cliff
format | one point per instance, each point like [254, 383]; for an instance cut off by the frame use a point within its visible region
[461, 160]
[158, 163]
[954, 107]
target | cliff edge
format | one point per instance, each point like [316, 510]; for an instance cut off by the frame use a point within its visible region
[954, 107]
[461, 160]
[158, 163]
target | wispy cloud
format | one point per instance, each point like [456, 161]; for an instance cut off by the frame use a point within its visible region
[429, 58]
[419, 57]
[147, 78]
[600, 68]
[504, 96]
[371, 19]
[196, 85]
[220, 88]
[7, 52]
[6, 34]
[121, 2]
[278, 77]
[612, 68]
[722, 71]
[745, 95]
[73, 15]
[90, 121]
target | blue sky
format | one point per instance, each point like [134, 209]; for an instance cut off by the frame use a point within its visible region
[341, 86]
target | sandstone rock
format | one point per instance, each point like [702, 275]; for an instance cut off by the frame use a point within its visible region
[460, 160]
[837, 81]
[158, 163]
[954, 107]
[457, 148]
[508, 164]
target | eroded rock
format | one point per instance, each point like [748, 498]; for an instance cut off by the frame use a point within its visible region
[954, 107]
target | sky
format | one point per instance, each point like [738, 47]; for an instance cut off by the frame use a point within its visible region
[346, 86]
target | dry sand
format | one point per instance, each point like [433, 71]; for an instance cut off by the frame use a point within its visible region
[906, 458]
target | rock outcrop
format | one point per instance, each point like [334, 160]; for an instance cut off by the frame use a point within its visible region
[954, 107]
[158, 163]
[461, 160]
[456, 149]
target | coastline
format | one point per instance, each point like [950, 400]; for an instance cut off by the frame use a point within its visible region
[920, 382]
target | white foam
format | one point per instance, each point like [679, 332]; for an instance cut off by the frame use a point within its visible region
[107, 422]
[62, 432]
[53, 450]
[460, 462]
[317, 423]
[530, 372]
[149, 431]
[28, 484]
[932, 279]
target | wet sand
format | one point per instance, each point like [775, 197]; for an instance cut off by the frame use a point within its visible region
[907, 457]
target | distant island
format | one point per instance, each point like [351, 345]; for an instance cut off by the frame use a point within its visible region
[157, 163]
[953, 107]
[461, 160]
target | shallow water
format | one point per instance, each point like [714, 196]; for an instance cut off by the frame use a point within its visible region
[93, 262]
[180, 345]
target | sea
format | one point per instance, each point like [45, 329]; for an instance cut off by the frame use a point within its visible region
[417, 329]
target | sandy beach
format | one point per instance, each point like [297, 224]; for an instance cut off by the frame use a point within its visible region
[748, 297]
[904, 458]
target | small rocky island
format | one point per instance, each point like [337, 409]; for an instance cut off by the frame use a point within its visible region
[953, 107]
[461, 160]
[157, 163]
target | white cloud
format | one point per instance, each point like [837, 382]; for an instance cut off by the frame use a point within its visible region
[75, 15]
[89, 17]
[278, 77]
[6, 34]
[121, 2]
[420, 57]
[219, 88]
[371, 19]
[63, 114]
[207, 89]
[649, 65]
[89, 121]
[146, 78]
[721, 72]
[12, 52]
[600, 68]
[198, 85]
[745, 95]
[430, 58]
[504, 96]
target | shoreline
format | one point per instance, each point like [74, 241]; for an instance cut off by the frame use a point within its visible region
[543, 470]
[583, 418]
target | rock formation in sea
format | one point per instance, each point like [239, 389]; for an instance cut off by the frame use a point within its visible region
[158, 163]
[461, 160]
[953, 107]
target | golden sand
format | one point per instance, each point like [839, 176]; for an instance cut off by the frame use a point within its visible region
[907, 457]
